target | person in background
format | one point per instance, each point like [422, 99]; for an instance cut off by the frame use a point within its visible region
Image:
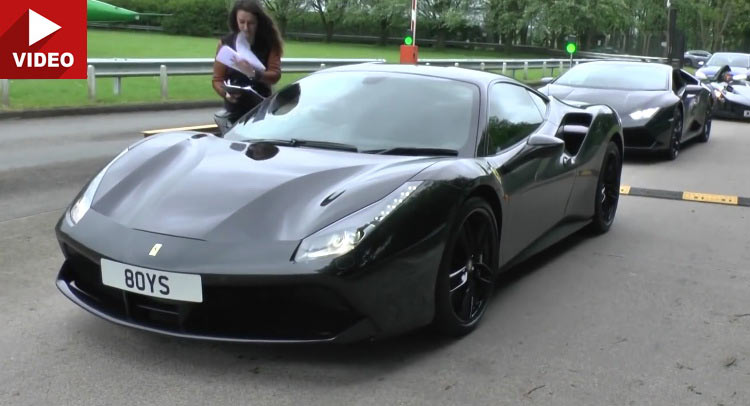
[249, 20]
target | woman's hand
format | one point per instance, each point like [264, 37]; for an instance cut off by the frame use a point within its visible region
[230, 97]
[245, 67]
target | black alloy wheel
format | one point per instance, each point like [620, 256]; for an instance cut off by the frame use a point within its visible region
[675, 137]
[467, 272]
[607, 190]
[706, 133]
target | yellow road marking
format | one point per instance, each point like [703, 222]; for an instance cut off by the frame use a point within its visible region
[711, 198]
[193, 128]
[624, 189]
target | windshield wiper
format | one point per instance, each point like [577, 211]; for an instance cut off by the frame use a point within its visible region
[294, 142]
[416, 151]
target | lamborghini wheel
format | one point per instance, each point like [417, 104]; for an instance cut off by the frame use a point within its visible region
[607, 190]
[706, 132]
[675, 136]
[467, 272]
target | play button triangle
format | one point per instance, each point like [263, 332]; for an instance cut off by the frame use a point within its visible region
[39, 27]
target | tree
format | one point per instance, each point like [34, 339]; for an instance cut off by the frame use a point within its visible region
[444, 15]
[283, 10]
[713, 18]
[331, 12]
[385, 12]
[505, 18]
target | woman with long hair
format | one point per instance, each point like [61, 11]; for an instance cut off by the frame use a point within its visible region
[250, 26]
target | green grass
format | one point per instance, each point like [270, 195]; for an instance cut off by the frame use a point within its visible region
[25, 94]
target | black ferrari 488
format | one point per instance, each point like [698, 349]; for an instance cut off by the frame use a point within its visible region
[357, 203]
[661, 107]
[732, 93]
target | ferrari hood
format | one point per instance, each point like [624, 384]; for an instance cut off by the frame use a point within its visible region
[209, 188]
[623, 102]
[740, 93]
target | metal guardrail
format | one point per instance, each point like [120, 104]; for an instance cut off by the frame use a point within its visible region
[119, 68]
[505, 65]
[513, 65]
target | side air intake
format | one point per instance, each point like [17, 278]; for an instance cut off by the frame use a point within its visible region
[573, 131]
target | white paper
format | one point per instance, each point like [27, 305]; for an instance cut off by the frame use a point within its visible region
[228, 57]
[244, 50]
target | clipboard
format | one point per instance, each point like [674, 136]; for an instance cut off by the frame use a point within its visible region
[243, 90]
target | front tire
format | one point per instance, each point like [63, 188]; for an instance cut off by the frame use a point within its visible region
[675, 136]
[466, 276]
[607, 190]
[706, 132]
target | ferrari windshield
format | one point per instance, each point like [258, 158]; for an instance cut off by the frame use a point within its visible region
[623, 76]
[735, 60]
[368, 110]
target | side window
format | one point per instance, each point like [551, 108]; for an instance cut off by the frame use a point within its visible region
[688, 79]
[513, 115]
[677, 82]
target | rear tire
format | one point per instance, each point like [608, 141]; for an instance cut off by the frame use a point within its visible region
[466, 276]
[607, 190]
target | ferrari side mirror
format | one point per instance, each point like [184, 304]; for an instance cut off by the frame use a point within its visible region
[540, 140]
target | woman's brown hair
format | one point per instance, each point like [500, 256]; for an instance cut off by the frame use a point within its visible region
[267, 35]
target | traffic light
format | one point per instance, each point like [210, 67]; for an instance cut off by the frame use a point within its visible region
[408, 50]
[570, 44]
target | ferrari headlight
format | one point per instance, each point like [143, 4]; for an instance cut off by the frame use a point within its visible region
[83, 203]
[644, 114]
[345, 234]
[700, 75]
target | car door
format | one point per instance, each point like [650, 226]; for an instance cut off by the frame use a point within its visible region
[531, 166]
[695, 99]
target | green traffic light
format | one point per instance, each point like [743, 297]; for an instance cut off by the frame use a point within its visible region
[408, 40]
[571, 47]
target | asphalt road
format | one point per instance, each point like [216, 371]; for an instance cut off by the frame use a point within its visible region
[655, 312]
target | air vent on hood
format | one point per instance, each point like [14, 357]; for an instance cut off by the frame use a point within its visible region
[238, 146]
[573, 130]
[333, 196]
[260, 151]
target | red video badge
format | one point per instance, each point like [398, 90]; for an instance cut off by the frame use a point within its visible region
[43, 39]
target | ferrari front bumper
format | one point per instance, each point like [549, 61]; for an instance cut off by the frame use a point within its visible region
[732, 110]
[384, 298]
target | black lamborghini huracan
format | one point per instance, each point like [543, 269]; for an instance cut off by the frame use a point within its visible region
[357, 203]
[661, 107]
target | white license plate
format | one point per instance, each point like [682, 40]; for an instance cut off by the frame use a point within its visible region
[747, 113]
[150, 282]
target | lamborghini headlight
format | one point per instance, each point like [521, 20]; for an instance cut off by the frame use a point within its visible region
[700, 75]
[83, 203]
[345, 234]
[644, 114]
